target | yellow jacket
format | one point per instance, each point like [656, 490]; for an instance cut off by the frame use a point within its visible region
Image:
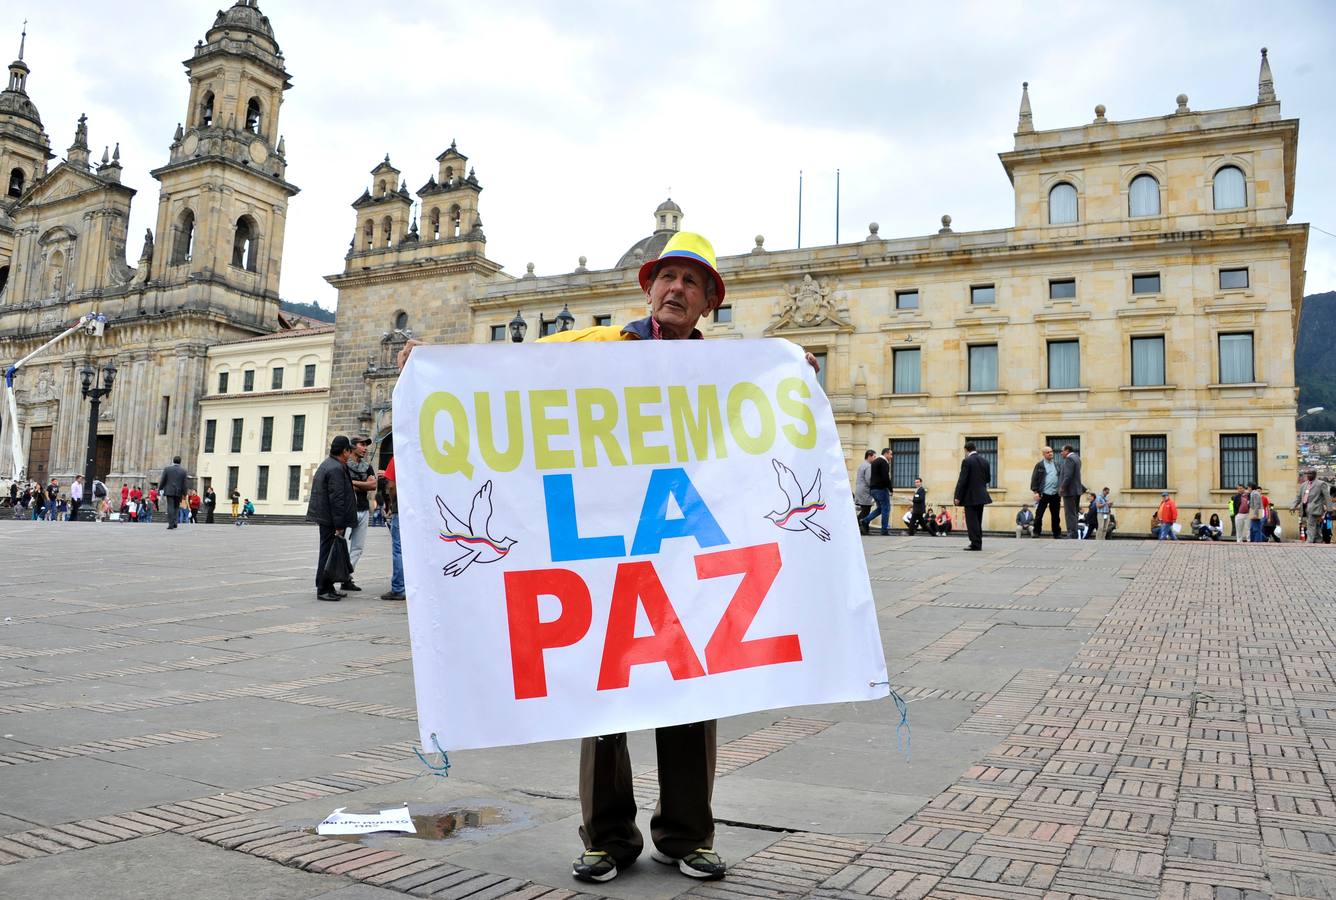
[639, 330]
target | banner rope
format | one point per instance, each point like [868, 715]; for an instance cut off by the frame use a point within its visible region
[441, 771]
[903, 732]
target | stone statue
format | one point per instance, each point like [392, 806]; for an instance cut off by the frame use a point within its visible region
[146, 255]
[809, 303]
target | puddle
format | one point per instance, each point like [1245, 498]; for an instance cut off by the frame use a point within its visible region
[446, 823]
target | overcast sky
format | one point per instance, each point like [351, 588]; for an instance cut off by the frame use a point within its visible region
[581, 116]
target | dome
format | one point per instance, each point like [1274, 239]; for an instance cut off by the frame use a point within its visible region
[243, 16]
[12, 103]
[667, 216]
[668, 206]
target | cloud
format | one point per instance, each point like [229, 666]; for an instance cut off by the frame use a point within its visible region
[581, 116]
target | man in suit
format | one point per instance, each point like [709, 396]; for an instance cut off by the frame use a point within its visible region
[916, 514]
[972, 493]
[1311, 502]
[1070, 488]
[173, 485]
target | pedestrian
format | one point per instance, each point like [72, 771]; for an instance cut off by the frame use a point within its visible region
[681, 286]
[235, 497]
[1240, 507]
[1070, 487]
[1255, 513]
[1025, 522]
[879, 485]
[194, 507]
[972, 493]
[1311, 503]
[153, 496]
[76, 497]
[1103, 506]
[364, 482]
[125, 496]
[1044, 486]
[333, 507]
[944, 521]
[210, 502]
[145, 511]
[863, 488]
[173, 482]
[918, 507]
[52, 500]
[388, 500]
[1165, 518]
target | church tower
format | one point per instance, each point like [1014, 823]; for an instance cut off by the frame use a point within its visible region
[24, 145]
[223, 203]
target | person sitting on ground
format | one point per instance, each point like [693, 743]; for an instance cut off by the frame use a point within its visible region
[1197, 527]
[943, 520]
[1213, 529]
[1271, 523]
[1025, 521]
[247, 509]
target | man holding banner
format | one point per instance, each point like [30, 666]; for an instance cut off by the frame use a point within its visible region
[613, 614]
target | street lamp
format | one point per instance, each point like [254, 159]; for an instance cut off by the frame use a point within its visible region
[88, 513]
[1312, 410]
[517, 328]
[563, 320]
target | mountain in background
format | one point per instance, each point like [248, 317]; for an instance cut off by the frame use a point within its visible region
[310, 310]
[1315, 361]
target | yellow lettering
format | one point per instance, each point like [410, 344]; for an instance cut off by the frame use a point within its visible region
[544, 429]
[445, 457]
[701, 428]
[761, 442]
[784, 396]
[639, 424]
[499, 460]
[597, 429]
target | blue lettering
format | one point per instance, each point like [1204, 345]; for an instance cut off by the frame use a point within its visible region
[563, 531]
[655, 527]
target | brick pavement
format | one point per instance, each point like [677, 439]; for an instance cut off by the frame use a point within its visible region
[1165, 714]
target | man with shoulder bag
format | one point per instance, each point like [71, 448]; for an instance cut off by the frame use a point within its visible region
[333, 507]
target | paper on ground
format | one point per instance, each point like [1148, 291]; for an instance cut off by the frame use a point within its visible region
[340, 822]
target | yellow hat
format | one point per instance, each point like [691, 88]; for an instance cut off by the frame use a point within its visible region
[686, 245]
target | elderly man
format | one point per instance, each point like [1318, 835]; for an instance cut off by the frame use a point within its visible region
[863, 488]
[363, 475]
[1311, 504]
[682, 285]
[332, 507]
[1044, 486]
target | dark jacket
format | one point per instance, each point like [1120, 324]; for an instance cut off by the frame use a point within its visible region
[972, 486]
[1037, 476]
[173, 480]
[332, 503]
[879, 479]
[920, 499]
[1069, 476]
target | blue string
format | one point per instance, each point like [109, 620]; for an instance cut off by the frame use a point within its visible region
[903, 732]
[441, 771]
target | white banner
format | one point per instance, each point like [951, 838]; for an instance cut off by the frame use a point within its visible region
[604, 537]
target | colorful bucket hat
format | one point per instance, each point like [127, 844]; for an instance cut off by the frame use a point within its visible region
[686, 245]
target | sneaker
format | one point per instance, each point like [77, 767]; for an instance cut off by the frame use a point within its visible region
[594, 865]
[349, 586]
[393, 595]
[702, 862]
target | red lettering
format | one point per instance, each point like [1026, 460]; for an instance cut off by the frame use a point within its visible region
[529, 636]
[727, 651]
[637, 583]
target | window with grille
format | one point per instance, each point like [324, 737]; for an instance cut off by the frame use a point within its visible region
[1147, 361]
[266, 434]
[987, 448]
[1150, 461]
[210, 434]
[262, 483]
[1058, 441]
[298, 433]
[904, 462]
[907, 376]
[308, 376]
[294, 483]
[1238, 459]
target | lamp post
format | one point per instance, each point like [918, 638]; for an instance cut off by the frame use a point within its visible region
[1311, 411]
[88, 513]
[518, 327]
[563, 320]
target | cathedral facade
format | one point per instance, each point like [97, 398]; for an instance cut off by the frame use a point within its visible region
[208, 272]
[1142, 309]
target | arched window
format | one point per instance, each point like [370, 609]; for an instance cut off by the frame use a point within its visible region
[253, 115]
[449, 173]
[245, 244]
[16, 182]
[1062, 204]
[206, 110]
[1143, 196]
[369, 233]
[401, 321]
[454, 220]
[184, 245]
[387, 230]
[1230, 188]
[380, 188]
[435, 224]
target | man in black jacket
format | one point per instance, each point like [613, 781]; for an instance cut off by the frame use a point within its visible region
[333, 507]
[880, 483]
[172, 484]
[972, 493]
[916, 517]
[1044, 486]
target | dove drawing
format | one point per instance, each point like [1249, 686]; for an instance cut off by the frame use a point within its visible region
[799, 506]
[472, 535]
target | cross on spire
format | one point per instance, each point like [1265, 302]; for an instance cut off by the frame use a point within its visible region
[23, 39]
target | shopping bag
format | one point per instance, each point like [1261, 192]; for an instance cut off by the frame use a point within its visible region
[339, 566]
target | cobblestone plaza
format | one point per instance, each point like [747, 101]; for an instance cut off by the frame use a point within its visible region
[1122, 719]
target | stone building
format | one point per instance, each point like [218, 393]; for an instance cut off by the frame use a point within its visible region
[208, 273]
[264, 418]
[1142, 308]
